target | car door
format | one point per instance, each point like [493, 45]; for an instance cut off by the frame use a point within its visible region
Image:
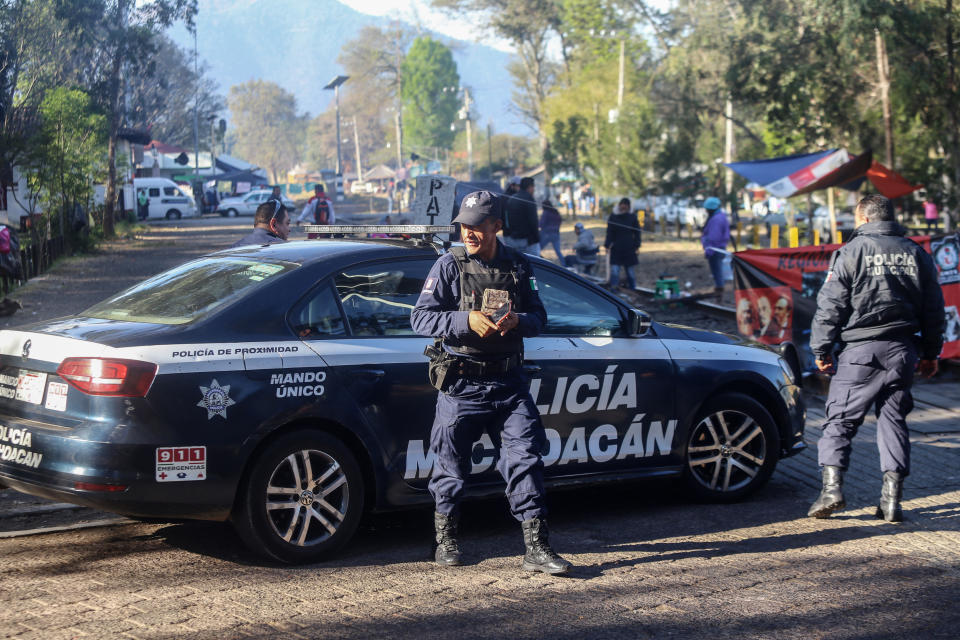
[376, 358]
[250, 204]
[607, 399]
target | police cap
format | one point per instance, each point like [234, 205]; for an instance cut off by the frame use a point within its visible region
[477, 207]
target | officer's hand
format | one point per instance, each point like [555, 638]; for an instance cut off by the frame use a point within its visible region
[508, 322]
[928, 368]
[480, 324]
[825, 365]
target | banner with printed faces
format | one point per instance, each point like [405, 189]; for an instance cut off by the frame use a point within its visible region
[776, 292]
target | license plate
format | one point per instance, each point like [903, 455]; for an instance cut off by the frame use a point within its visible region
[30, 385]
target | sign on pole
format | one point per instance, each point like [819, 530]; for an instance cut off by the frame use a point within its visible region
[433, 201]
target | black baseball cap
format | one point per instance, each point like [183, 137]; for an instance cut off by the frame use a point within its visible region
[477, 207]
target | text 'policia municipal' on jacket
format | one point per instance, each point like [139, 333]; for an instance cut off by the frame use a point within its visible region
[880, 285]
[442, 310]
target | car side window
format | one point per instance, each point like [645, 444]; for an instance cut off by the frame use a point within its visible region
[574, 310]
[169, 191]
[154, 192]
[253, 197]
[318, 316]
[378, 298]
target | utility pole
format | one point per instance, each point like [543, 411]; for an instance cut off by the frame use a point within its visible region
[883, 76]
[335, 85]
[196, 117]
[466, 109]
[489, 151]
[356, 144]
[399, 141]
[728, 146]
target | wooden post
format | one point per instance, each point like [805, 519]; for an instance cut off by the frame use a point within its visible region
[794, 235]
[775, 236]
[816, 237]
[756, 234]
[739, 231]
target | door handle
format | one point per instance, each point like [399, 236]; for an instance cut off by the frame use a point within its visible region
[531, 367]
[376, 374]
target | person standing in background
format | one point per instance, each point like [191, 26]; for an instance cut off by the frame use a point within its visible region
[550, 221]
[715, 237]
[622, 241]
[930, 214]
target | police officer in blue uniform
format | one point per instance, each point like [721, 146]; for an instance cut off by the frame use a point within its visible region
[478, 302]
[881, 290]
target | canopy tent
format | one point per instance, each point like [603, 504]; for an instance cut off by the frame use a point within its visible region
[805, 173]
[889, 182]
[380, 172]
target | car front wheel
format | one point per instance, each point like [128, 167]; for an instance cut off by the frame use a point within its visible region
[732, 448]
[302, 499]
[173, 214]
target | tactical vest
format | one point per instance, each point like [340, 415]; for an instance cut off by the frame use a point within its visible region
[474, 279]
[321, 214]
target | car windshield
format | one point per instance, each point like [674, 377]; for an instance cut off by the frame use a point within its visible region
[190, 291]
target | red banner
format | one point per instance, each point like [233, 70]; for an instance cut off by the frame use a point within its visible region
[776, 291]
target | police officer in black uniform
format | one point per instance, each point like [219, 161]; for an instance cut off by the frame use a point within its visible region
[479, 302]
[881, 290]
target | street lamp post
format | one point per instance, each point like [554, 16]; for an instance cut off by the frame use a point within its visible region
[335, 85]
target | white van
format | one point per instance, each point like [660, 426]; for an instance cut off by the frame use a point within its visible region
[167, 199]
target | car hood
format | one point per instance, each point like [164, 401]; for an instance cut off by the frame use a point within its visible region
[683, 332]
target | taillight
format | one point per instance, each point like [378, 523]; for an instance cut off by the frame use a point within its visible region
[108, 376]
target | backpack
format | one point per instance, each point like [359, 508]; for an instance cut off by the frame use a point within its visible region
[321, 215]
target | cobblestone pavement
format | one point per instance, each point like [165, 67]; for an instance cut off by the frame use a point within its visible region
[650, 563]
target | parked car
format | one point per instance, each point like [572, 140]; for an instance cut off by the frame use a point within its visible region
[362, 187]
[166, 199]
[246, 204]
[692, 212]
[282, 388]
[821, 221]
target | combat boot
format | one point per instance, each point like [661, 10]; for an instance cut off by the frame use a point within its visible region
[831, 496]
[539, 555]
[447, 551]
[890, 495]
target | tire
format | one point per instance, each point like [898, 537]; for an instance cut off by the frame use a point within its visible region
[173, 214]
[279, 515]
[732, 448]
[231, 213]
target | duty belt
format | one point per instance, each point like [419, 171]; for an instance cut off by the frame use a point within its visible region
[465, 367]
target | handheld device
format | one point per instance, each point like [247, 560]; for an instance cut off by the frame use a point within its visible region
[501, 312]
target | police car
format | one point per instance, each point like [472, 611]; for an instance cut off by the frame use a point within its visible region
[281, 387]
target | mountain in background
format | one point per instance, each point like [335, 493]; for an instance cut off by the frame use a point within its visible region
[295, 43]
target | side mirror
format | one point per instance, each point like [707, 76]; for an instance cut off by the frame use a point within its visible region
[638, 323]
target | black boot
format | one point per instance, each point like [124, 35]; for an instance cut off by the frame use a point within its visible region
[889, 507]
[447, 551]
[539, 556]
[831, 496]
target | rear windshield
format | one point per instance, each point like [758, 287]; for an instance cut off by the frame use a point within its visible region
[190, 291]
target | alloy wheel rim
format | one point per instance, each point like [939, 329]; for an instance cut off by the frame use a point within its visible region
[307, 498]
[727, 450]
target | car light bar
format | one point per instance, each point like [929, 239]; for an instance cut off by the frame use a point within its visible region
[108, 376]
[391, 229]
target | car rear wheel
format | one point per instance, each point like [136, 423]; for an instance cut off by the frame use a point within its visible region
[732, 448]
[173, 214]
[302, 499]
[231, 213]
